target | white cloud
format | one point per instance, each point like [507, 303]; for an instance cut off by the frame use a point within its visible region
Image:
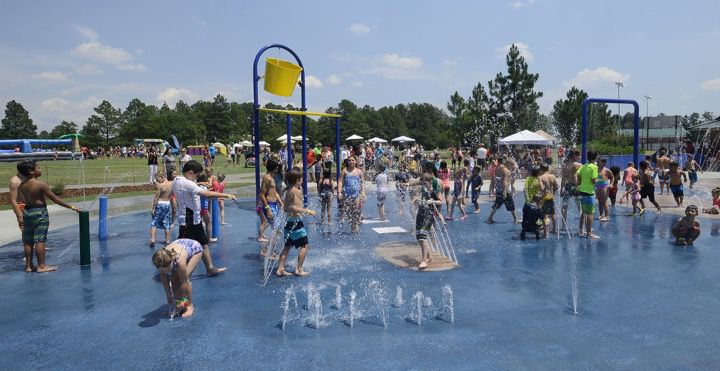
[521, 4]
[599, 76]
[522, 47]
[87, 32]
[132, 67]
[357, 84]
[394, 60]
[54, 76]
[90, 103]
[359, 28]
[313, 82]
[54, 104]
[96, 51]
[172, 95]
[89, 69]
[333, 80]
[711, 85]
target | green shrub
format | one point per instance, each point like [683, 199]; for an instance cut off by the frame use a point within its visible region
[58, 188]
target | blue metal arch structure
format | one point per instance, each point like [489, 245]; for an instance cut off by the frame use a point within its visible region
[636, 125]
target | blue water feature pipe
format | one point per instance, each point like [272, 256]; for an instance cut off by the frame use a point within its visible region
[337, 149]
[636, 125]
[289, 148]
[216, 217]
[102, 218]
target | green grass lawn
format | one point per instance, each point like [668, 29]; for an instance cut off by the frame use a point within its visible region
[105, 171]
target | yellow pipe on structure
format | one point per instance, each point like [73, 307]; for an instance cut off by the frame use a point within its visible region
[298, 113]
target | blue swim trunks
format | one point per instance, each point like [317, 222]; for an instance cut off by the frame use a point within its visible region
[295, 234]
[275, 208]
[162, 218]
[677, 190]
[587, 203]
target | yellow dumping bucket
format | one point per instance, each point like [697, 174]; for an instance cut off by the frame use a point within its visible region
[281, 76]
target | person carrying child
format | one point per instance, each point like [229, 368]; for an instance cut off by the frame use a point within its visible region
[687, 229]
[676, 177]
[427, 203]
[176, 262]
[458, 185]
[35, 217]
[295, 234]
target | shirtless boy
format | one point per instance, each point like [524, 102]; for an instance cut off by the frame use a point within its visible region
[502, 191]
[164, 209]
[692, 168]
[676, 177]
[18, 205]
[35, 215]
[295, 233]
[568, 184]
[663, 164]
[269, 203]
[550, 186]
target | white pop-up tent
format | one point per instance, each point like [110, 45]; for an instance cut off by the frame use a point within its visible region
[354, 137]
[377, 140]
[525, 137]
[403, 138]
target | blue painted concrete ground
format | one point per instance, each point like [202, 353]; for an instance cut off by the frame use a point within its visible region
[643, 303]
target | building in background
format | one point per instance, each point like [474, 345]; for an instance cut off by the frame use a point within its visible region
[662, 131]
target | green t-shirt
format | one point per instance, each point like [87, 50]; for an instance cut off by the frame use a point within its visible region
[587, 173]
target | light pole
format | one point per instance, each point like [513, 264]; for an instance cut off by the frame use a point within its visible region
[647, 117]
[619, 85]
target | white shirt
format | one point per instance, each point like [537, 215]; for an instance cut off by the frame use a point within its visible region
[186, 192]
[184, 160]
[482, 153]
[344, 154]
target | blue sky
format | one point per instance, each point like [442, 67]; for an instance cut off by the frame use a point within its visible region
[60, 59]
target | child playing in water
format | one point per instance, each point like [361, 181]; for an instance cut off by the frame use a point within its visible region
[647, 186]
[628, 175]
[163, 210]
[676, 178]
[458, 183]
[613, 189]
[533, 218]
[444, 175]
[476, 183]
[635, 195]
[36, 220]
[325, 191]
[381, 182]
[176, 263]
[686, 230]
[219, 186]
[427, 203]
[693, 167]
[202, 182]
[294, 233]
[715, 209]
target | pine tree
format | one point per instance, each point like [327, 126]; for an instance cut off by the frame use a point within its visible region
[17, 123]
[567, 116]
[478, 114]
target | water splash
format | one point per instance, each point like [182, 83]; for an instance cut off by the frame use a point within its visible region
[289, 306]
[399, 301]
[315, 318]
[376, 292]
[448, 303]
[416, 314]
[353, 312]
[338, 297]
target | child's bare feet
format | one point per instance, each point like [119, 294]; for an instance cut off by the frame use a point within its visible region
[215, 271]
[188, 311]
[30, 269]
[423, 265]
[47, 268]
[262, 239]
[282, 273]
[593, 236]
[301, 273]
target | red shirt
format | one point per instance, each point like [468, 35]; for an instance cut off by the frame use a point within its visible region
[311, 157]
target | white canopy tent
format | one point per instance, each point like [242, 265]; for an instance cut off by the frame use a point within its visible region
[354, 137]
[264, 143]
[525, 137]
[377, 140]
[545, 135]
[403, 138]
[244, 143]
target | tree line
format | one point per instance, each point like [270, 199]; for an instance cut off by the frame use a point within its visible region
[505, 105]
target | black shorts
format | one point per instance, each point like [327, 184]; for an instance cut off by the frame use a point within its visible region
[647, 191]
[508, 201]
[481, 163]
[548, 207]
[194, 232]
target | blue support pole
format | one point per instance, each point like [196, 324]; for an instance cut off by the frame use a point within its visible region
[288, 128]
[304, 161]
[256, 106]
[102, 218]
[337, 149]
[636, 125]
[215, 218]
